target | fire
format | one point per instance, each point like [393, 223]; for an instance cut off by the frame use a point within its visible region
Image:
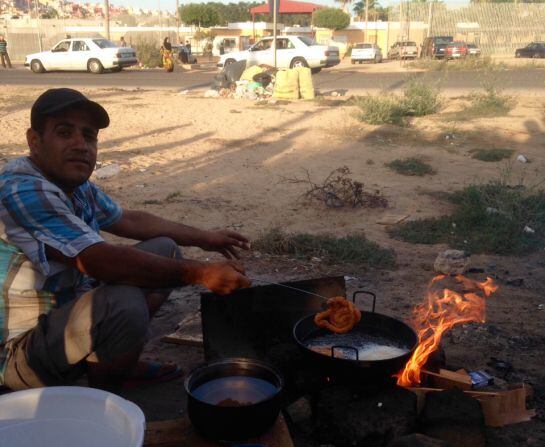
[443, 309]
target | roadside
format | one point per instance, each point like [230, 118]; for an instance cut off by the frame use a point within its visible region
[223, 163]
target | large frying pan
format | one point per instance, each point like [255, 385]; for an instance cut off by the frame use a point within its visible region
[372, 325]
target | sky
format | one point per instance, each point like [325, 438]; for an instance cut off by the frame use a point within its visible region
[170, 5]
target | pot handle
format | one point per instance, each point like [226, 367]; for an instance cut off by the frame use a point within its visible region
[349, 348]
[365, 292]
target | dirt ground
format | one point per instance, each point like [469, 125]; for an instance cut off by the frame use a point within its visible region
[218, 163]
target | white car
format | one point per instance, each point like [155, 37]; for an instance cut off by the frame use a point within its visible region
[291, 51]
[89, 54]
[366, 52]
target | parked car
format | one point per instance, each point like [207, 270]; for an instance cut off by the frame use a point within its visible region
[474, 50]
[534, 49]
[434, 47]
[88, 54]
[456, 50]
[292, 51]
[366, 52]
[403, 50]
[179, 52]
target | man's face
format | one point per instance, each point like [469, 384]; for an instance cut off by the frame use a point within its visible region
[66, 152]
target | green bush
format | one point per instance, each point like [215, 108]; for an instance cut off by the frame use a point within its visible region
[148, 54]
[331, 18]
[200, 14]
[353, 249]
[419, 99]
[490, 103]
[488, 218]
[492, 154]
[462, 64]
[385, 109]
[412, 166]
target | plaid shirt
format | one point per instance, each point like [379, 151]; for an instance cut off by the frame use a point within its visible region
[35, 213]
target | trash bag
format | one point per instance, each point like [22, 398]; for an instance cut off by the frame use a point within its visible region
[234, 71]
[220, 81]
[263, 78]
[287, 84]
[306, 87]
[250, 72]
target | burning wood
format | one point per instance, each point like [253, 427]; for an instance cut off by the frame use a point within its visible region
[444, 308]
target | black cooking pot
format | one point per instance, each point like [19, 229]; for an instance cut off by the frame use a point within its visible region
[342, 359]
[233, 399]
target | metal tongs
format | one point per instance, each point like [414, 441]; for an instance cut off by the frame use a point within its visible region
[270, 283]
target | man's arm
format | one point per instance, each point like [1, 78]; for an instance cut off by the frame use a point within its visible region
[141, 225]
[131, 266]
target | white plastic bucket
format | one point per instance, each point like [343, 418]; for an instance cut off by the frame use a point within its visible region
[69, 417]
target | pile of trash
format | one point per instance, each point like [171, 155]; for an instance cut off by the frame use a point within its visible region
[260, 82]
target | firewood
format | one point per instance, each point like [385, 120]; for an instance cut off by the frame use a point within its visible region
[502, 407]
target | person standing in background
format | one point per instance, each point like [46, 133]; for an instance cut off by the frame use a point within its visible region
[122, 42]
[188, 48]
[4, 53]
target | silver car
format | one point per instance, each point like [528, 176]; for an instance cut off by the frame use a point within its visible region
[366, 52]
[403, 50]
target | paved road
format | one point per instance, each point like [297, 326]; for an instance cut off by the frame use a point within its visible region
[333, 79]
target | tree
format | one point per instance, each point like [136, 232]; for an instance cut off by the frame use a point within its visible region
[344, 3]
[50, 13]
[332, 18]
[376, 12]
[200, 14]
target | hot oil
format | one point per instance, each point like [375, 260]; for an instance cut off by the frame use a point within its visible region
[235, 391]
[369, 347]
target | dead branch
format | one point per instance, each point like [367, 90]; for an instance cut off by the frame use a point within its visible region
[339, 190]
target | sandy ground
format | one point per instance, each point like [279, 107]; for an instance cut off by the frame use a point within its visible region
[219, 163]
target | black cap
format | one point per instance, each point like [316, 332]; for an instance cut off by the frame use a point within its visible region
[56, 100]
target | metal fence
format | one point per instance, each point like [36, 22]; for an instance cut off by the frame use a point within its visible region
[498, 28]
[31, 36]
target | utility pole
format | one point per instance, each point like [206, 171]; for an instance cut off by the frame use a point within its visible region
[38, 24]
[401, 37]
[178, 21]
[160, 14]
[275, 18]
[366, 20]
[107, 18]
[430, 16]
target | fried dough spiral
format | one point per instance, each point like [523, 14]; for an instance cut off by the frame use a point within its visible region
[340, 317]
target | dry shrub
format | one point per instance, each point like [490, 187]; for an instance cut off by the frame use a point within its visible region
[338, 190]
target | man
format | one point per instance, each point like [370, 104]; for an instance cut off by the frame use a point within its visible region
[4, 52]
[122, 42]
[70, 302]
[188, 48]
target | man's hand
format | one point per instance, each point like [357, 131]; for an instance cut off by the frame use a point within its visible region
[224, 242]
[224, 277]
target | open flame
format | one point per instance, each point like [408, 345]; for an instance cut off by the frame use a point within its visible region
[443, 309]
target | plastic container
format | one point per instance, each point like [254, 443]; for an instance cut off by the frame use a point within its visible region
[69, 417]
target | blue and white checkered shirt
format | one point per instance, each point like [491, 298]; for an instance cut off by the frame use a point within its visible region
[35, 213]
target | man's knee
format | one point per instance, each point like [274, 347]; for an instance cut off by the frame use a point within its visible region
[161, 246]
[127, 314]
[128, 303]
